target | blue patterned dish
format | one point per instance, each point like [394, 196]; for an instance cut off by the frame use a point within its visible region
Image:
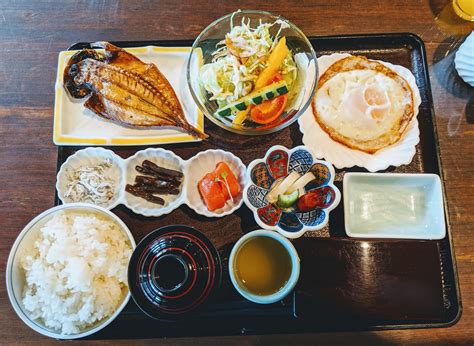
[277, 164]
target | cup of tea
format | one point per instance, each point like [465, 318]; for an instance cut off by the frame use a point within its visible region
[264, 266]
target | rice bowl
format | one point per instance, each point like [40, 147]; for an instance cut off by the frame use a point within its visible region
[67, 270]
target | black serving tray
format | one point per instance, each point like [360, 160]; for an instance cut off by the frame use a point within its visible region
[345, 283]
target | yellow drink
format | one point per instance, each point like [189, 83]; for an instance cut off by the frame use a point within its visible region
[464, 9]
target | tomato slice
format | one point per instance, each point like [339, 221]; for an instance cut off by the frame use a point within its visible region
[318, 198]
[270, 110]
[310, 201]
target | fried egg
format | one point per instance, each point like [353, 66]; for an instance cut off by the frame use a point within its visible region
[363, 104]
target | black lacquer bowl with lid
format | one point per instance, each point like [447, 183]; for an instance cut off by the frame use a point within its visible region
[173, 271]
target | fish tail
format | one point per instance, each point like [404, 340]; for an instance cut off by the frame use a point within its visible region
[193, 131]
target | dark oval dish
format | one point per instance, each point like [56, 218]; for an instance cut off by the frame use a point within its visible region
[173, 271]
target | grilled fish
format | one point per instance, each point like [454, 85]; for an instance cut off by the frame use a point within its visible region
[122, 88]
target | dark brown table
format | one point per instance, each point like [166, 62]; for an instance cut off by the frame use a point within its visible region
[33, 32]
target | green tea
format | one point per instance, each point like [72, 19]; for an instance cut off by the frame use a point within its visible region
[262, 266]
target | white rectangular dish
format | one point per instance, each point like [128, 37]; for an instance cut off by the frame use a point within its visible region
[390, 205]
[76, 125]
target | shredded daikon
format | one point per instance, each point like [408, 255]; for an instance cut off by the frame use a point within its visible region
[91, 184]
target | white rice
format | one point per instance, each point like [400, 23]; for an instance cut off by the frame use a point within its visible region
[76, 275]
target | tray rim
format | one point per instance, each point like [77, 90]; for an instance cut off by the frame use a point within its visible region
[430, 107]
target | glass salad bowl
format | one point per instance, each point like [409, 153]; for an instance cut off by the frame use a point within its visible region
[252, 72]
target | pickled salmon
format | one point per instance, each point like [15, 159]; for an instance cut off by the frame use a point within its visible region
[214, 187]
[211, 192]
[222, 169]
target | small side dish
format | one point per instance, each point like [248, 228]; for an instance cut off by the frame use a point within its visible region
[290, 192]
[391, 205]
[121, 88]
[91, 184]
[67, 270]
[91, 175]
[216, 179]
[155, 180]
[219, 187]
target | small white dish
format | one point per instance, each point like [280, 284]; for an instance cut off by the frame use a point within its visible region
[123, 172]
[193, 170]
[341, 156]
[15, 275]
[393, 205]
[163, 158]
[90, 157]
[76, 125]
[205, 162]
[295, 268]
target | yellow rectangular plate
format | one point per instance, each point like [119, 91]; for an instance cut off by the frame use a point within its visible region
[76, 125]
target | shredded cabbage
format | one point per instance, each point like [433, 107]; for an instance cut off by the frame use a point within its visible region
[239, 59]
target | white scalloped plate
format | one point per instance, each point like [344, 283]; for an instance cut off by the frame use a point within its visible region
[163, 158]
[324, 147]
[194, 169]
[201, 164]
[91, 157]
[464, 60]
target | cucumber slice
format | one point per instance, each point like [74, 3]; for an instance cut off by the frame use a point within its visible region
[286, 201]
[241, 106]
[224, 112]
[256, 97]
[257, 100]
[282, 90]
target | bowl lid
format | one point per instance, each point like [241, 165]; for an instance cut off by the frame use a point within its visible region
[173, 271]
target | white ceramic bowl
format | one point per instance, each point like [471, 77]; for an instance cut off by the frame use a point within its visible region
[295, 268]
[205, 162]
[92, 156]
[163, 158]
[15, 275]
[124, 172]
[393, 205]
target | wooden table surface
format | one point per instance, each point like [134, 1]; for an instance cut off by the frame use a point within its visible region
[33, 32]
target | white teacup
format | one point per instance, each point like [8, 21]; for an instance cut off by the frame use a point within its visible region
[289, 285]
